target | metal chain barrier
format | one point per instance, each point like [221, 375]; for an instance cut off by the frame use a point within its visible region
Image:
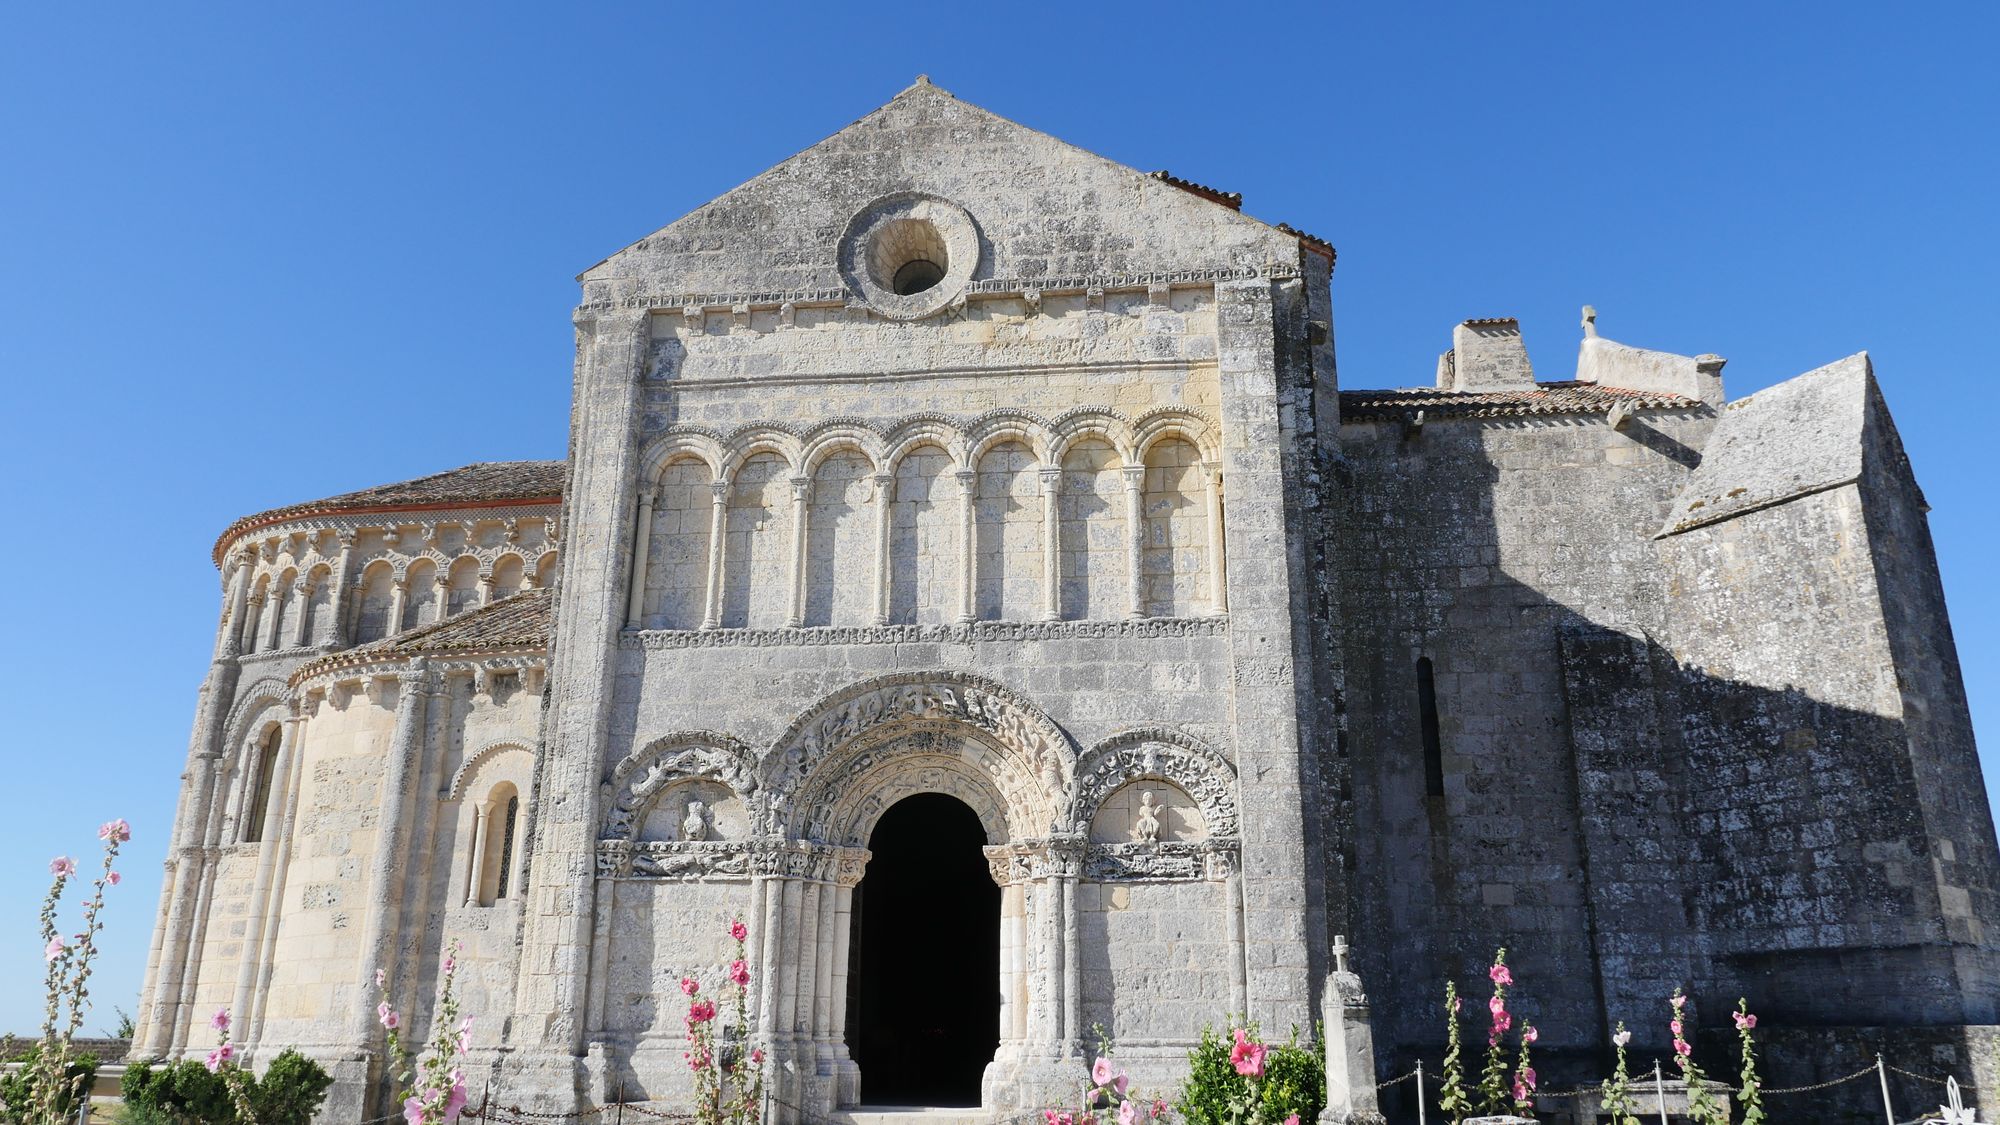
[1398, 1079]
[1938, 1082]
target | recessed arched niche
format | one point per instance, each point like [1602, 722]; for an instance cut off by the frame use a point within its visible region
[1149, 810]
[680, 808]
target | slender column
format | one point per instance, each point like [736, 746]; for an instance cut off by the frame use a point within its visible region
[443, 595]
[302, 635]
[718, 527]
[229, 638]
[475, 873]
[1072, 993]
[274, 604]
[1051, 545]
[251, 625]
[486, 585]
[267, 855]
[1017, 961]
[399, 595]
[801, 492]
[823, 1030]
[343, 577]
[384, 884]
[1239, 969]
[968, 547]
[635, 608]
[884, 519]
[1135, 547]
[1218, 585]
[773, 894]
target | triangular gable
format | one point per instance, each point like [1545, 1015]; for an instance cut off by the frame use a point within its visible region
[1044, 208]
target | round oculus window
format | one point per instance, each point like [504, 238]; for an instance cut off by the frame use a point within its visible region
[908, 256]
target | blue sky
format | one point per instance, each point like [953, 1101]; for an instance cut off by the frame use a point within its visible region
[256, 255]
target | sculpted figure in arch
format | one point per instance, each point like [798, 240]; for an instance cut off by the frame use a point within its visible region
[694, 826]
[1146, 821]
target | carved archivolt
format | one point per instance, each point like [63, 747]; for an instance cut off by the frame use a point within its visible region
[853, 739]
[471, 765]
[267, 692]
[1162, 755]
[638, 779]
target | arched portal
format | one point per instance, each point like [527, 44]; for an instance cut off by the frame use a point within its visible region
[924, 975]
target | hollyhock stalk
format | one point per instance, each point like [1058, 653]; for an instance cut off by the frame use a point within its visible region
[1452, 1099]
[1495, 1096]
[66, 978]
[728, 1077]
[1751, 1094]
[434, 1086]
[1524, 1072]
[1701, 1104]
[1617, 1090]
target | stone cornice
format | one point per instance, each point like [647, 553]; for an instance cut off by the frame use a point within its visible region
[653, 639]
[349, 521]
[1073, 284]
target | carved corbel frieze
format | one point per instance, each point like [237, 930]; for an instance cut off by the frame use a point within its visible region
[788, 314]
[1033, 299]
[379, 690]
[1093, 299]
[694, 319]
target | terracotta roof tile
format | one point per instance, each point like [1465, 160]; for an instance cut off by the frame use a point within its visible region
[1230, 199]
[521, 621]
[1546, 398]
[481, 483]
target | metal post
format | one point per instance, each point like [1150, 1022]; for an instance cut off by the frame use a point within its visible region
[1660, 1091]
[1420, 1092]
[1882, 1072]
[620, 1119]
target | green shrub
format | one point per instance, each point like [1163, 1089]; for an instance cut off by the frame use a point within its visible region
[17, 1096]
[1294, 1082]
[187, 1093]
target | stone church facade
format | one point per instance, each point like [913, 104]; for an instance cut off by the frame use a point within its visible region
[973, 577]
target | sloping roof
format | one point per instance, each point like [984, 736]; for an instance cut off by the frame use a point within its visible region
[1801, 436]
[481, 484]
[520, 621]
[1546, 398]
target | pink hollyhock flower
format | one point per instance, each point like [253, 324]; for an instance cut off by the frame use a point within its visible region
[115, 830]
[1677, 1000]
[1159, 1107]
[739, 973]
[690, 986]
[738, 930]
[454, 1102]
[114, 878]
[1622, 1038]
[701, 1011]
[1681, 1048]
[1501, 1022]
[388, 1016]
[450, 965]
[1127, 1113]
[54, 950]
[756, 1056]
[1049, 1116]
[1529, 1034]
[62, 865]
[1119, 1082]
[1744, 1021]
[381, 977]
[413, 1111]
[220, 1020]
[1100, 1072]
[1247, 1057]
[1457, 1004]
[214, 1061]
[1292, 1120]
[1064, 1118]
[1500, 975]
[1675, 1026]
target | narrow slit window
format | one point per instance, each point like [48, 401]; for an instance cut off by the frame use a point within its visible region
[260, 793]
[1427, 720]
[507, 846]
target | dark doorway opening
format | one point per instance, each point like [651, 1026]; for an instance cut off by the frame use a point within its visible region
[925, 968]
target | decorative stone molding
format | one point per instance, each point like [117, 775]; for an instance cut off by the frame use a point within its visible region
[638, 779]
[456, 789]
[821, 756]
[1007, 287]
[696, 860]
[257, 695]
[1164, 861]
[953, 633]
[1162, 754]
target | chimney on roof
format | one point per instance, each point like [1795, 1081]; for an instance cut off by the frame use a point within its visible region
[1487, 354]
[1609, 363]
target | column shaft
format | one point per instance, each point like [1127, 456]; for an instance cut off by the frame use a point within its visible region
[635, 609]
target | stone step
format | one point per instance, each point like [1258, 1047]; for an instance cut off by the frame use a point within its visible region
[911, 1115]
